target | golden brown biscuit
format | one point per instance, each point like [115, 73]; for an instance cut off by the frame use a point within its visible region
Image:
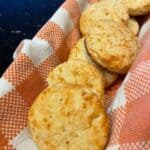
[138, 7]
[109, 77]
[79, 52]
[78, 72]
[133, 26]
[112, 45]
[69, 118]
[106, 9]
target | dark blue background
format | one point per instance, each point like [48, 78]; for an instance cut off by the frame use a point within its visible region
[20, 19]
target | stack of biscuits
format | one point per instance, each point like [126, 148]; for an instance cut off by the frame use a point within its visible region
[70, 113]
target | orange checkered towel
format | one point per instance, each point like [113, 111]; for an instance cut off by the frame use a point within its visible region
[128, 101]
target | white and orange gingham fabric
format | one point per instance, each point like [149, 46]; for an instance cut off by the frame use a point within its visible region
[128, 101]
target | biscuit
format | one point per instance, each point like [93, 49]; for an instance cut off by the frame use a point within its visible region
[109, 77]
[112, 45]
[69, 118]
[79, 52]
[104, 9]
[78, 72]
[133, 26]
[138, 7]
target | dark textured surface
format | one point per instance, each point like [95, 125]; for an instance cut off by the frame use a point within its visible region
[20, 19]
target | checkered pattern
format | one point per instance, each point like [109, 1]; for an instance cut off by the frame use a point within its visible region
[128, 102]
[139, 83]
[143, 145]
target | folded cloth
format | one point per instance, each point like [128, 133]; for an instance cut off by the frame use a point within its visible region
[128, 101]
